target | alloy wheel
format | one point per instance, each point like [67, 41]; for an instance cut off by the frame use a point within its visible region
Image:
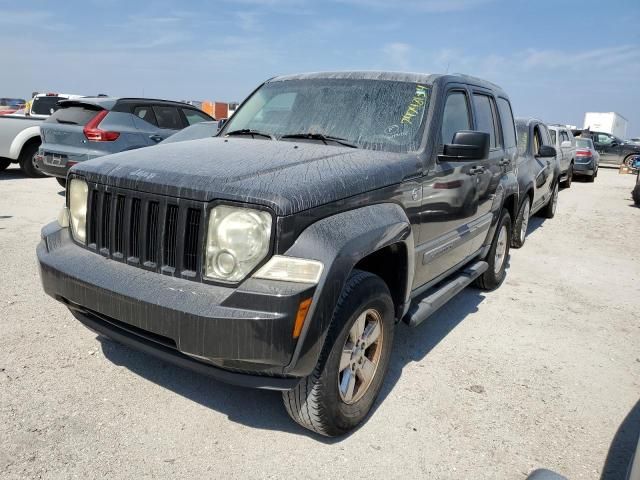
[501, 250]
[525, 221]
[360, 356]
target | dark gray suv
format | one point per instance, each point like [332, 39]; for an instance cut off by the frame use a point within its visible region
[87, 128]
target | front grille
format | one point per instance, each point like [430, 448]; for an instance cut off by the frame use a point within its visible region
[153, 232]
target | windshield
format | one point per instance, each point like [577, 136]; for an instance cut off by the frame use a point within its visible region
[45, 105]
[583, 143]
[372, 114]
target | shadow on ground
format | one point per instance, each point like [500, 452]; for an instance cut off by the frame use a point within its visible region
[264, 409]
[622, 446]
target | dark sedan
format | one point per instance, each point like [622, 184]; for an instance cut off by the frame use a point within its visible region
[587, 159]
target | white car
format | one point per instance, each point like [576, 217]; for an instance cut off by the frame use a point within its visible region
[20, 133]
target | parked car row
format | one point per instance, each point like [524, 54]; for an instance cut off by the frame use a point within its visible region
[57, 131]
[282, 252]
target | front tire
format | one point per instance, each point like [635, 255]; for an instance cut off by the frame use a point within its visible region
[340, 392]
[549, 211]
[62, 182]
[28, 163]
[4, 164]
[569, 179]
[522, 223]
[498, 255]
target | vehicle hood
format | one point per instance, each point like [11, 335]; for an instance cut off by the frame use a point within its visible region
[286, 176]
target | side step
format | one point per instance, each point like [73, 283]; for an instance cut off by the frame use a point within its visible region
[442, 293]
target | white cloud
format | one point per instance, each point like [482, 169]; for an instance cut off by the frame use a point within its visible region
[397, 54]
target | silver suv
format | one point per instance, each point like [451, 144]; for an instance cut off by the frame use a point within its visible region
[87, 128]
[565, 144]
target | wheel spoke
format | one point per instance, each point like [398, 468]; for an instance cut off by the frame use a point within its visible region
[366, 371]
[371, 334]
[347, 385]
[345, 358]
[357, 330]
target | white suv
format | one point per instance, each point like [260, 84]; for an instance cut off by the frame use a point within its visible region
[565, 144]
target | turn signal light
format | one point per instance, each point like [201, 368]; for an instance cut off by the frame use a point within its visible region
[303, 309]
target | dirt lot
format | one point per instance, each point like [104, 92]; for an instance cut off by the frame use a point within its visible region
[544, 371]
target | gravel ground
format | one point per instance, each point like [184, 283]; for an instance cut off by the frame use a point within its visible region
[545, 371]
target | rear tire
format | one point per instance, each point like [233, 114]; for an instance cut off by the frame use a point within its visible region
[4, 164]
[569, 179]
[62, 182]
[635, 194]
[27, 161]
[522, 222]
[329, 401]
[498, 255]
[549, 211]
[592, 178]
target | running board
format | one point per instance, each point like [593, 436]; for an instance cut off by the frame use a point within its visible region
[441, 294]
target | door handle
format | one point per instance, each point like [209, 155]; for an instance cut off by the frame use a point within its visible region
[504, 162]
[476, 170]
[156, 138]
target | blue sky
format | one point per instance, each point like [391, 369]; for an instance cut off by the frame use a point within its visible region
[556, 59]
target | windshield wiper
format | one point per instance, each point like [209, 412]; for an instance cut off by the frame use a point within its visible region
[249, 131]
[320, 136]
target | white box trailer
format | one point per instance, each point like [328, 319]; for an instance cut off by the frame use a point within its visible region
[607, 122]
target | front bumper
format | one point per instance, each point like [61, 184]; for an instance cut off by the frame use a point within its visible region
[239, 335]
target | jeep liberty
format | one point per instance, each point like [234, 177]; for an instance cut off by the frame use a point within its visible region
[281, 253]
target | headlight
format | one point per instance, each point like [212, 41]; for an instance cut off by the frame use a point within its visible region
[237, 240]
[78, 193]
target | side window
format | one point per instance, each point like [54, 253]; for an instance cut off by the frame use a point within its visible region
[484, 117]
[604, 139]
[145, 112]
[537, 140]
[194, 116]
[455, 117]
[563, 136]
[506, 119]
[168, 117]
[546, 140]
[553, 136]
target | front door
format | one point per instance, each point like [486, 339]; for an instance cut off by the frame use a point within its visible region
[450, 196]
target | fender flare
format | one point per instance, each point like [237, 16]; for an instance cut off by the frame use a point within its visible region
[340, 242]
[21, 139]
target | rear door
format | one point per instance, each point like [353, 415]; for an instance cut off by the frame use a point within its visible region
[566, 147]
[169, 121]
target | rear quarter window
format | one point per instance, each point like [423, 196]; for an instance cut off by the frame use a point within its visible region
[195, 116]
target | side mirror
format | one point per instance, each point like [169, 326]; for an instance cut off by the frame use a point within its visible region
[566, 144]
[466, 146]
[546, 151]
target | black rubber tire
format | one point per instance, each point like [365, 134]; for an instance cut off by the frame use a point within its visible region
[517, 240]
[26, 161]
[489, 280]
[315, 403]
[4, 164]
[635, 194]
[62, 182]
[569, 179]
[549, 210]
[592, 178]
